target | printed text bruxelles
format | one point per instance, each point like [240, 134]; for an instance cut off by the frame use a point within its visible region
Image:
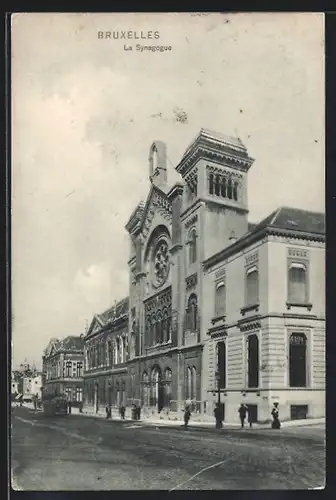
[128, 35]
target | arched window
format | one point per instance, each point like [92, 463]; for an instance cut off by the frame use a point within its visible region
[145, 389]
[193, 384]
[118, 350]
[298, 360]
[155, 380]
[102, 353]
[110, 352]
[118, 401]
[123, 349]
[192, 246]
[223, 187]
[154, 159]
[297, 284]
[167, 387]
[115, 352]
[221, 363]
[164, 326]
[192, 314]
[68, 367]
[148, 331]
[253, 361]
[217, 185]
[153, 329]
[159, 327]
[229, 189]
[133, 347]
[169, 323]
[189, 383]
[220, 305]
[97, 354]
[211, 183]
[252, 286]
[235, 191]
[79, 369]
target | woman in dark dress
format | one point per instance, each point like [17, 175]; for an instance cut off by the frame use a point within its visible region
[275, 415]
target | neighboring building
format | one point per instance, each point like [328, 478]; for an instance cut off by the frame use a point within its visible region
[32, 386]
[106, 354]
[215, 301]
[63, 366]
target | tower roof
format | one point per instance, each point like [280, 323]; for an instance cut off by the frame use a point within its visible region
[215, 146]
[211, 136]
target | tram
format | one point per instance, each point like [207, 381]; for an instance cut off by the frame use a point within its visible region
[53, 403]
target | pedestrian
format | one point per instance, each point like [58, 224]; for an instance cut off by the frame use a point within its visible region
[81, 407]
[275, 414]
[242, 414]
[69, 407]
[122, 412]
[138, 412]
[107, 412]
[218, 416]
[187, 415]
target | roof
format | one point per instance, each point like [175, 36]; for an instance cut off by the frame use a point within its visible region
[286, 220]
[72, 343]
[53, 341]
[294, 219]
[114, 312]
[231, 142]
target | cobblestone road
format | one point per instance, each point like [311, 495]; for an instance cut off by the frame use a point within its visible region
[76, 452]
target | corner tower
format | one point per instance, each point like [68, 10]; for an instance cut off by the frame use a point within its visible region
[214, 168]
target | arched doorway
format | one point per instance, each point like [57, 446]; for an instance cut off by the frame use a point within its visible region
[157, 391]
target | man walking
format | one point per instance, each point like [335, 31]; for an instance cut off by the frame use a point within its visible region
[218, 416]
[187, 415]
[122, 412]
[242, 414]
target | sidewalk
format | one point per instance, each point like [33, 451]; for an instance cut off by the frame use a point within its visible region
[148, 420]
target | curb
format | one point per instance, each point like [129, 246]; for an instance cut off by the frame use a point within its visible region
[201, 425]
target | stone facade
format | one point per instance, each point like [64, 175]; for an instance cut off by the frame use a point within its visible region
[215, 304]
[63, 368]
[106, 354]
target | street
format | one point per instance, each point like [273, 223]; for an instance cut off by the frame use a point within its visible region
[85, 453]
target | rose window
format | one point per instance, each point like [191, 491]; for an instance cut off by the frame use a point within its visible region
[161, 262]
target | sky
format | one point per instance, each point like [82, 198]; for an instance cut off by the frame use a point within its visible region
[85, 113]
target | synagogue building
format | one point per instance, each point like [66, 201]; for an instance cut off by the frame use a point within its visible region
[216, 304]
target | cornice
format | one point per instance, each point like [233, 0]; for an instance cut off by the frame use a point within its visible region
[217, 153]
[257, 235]
[111, 371]
[176, 190]
[192, 208]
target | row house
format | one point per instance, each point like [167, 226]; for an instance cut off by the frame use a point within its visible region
[63, 368]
